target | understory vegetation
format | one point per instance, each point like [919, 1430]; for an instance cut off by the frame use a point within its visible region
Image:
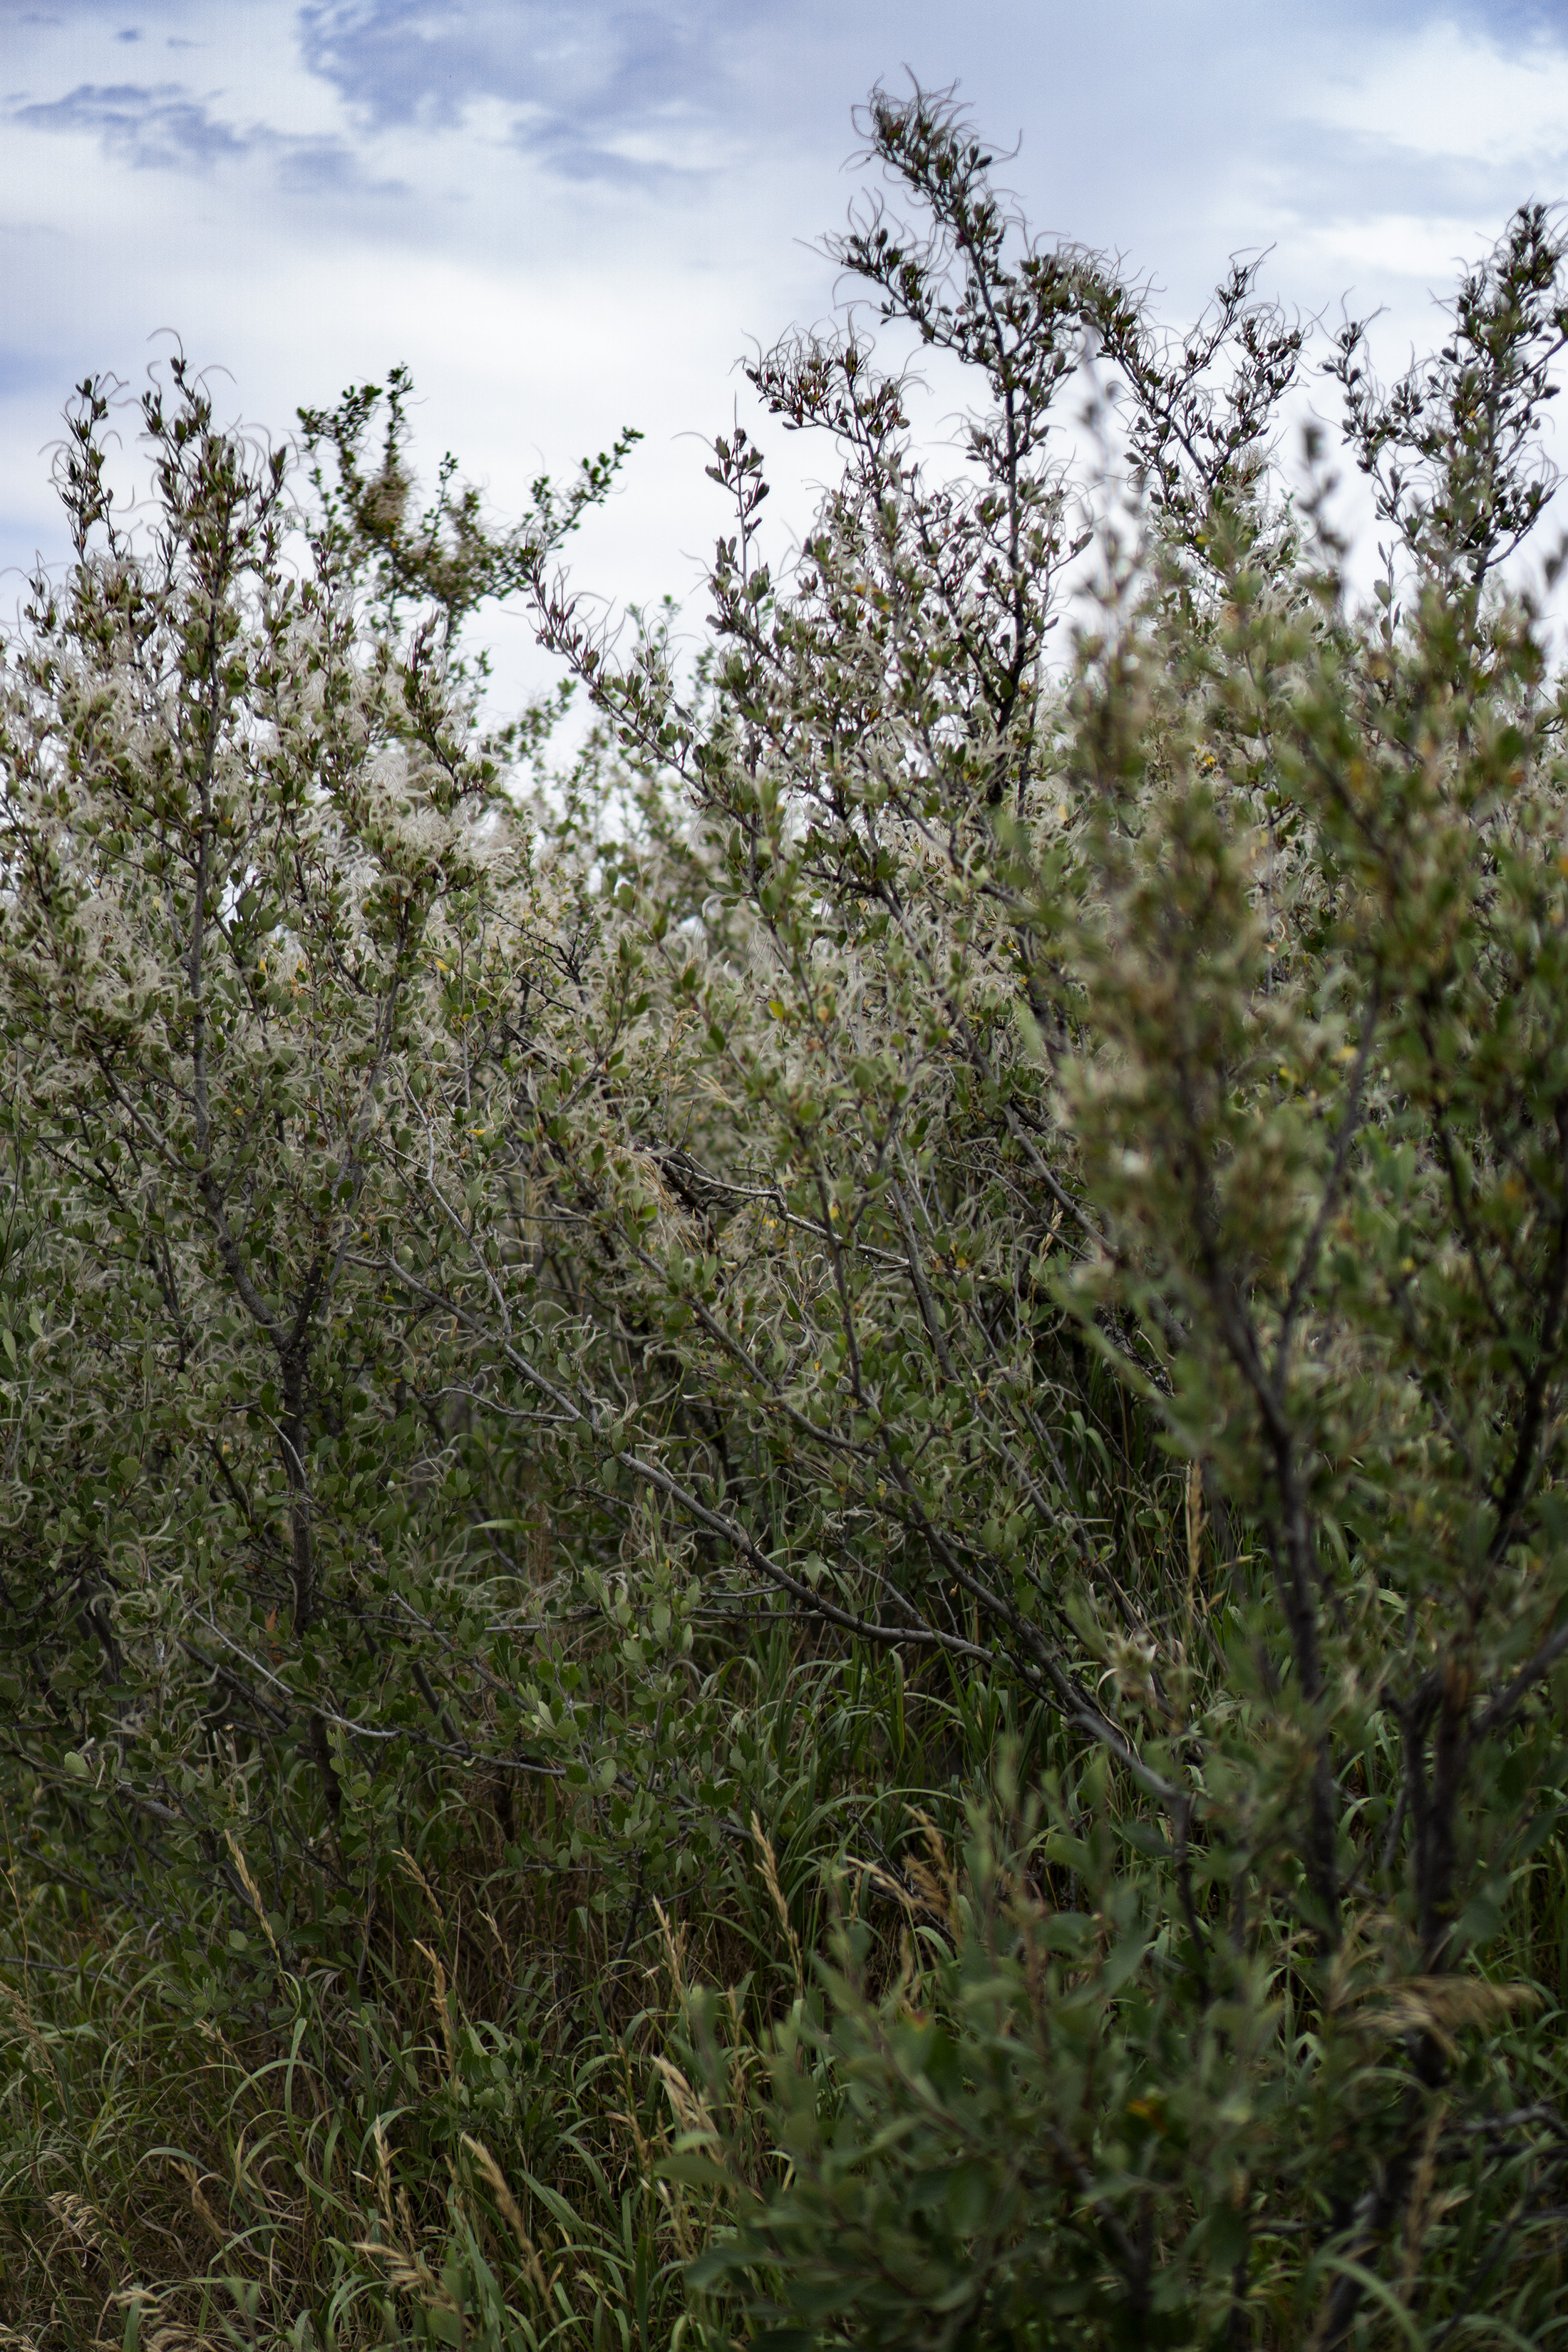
[784, 1506]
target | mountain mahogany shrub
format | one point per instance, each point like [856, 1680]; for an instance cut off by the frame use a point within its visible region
[1147, 1288]
[311, 1608]
[262, 893]
[928, 1224]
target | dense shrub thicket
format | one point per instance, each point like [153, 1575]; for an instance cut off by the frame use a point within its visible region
[785, 1534]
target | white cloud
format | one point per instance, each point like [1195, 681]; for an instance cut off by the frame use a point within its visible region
[1451, 91]
[570, 215]
[538, 316]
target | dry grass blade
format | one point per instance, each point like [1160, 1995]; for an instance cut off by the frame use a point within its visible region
[1443, 2007]
[692, 2112]
[443, 2010]
[674, 1949]
[916, 1901]
[771, 1879]
[1420, 2208]
[511, 2211]
[200, 2205]
[694, 2120]
[170, 2335]
[418, 1876]
[408, 2274]
[1196, 1521]
[76, 2215]
[936, 1879]
[29, 2031]
[382, 2171]
[251, 1888]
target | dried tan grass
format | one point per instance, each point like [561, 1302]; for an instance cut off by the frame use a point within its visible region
[1442, 2006]
[29, 2031]
[441, 2005]
[77, 2216]
[170, 2335]
[501, 2191]
[674, 1949]
[408, 2274]
[251, 1888]
[200, 2205]
[770, 1880]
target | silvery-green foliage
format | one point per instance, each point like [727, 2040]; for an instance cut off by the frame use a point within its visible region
[912, 1334]
[265, 911]
[1146, 1287]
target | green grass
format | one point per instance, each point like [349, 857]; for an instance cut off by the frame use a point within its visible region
[444, 2113]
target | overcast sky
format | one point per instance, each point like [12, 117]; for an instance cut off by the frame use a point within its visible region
[570, 214]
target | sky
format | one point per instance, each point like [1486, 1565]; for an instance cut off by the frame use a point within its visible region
[569, 215]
